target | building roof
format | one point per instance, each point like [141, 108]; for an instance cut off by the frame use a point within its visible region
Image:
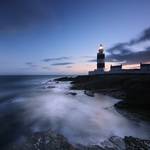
[117, 66]
[145, 65]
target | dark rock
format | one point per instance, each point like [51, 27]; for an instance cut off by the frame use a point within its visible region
[136, 143]
[44, 141]
[134, 89]
[114, 143]
[53, 141]
[89, 93]
[117, 93]
[50, 87]
[71, 93]
[65, 79]
[90, 147]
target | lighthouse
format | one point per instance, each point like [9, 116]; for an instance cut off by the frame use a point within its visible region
[100, 59]
[100, 62]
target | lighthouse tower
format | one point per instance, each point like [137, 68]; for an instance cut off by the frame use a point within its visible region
[100, 59]
[100, 62]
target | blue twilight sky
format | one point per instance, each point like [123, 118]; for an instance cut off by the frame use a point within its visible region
[62, 36]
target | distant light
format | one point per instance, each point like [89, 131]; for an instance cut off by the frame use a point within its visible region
[101, 46]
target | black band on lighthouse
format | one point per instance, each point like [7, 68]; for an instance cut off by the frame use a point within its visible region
[100, 58]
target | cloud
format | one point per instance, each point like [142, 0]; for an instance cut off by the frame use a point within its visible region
[92, 60]
[68, 66]
[30, 64]
[119, 48]
[123, 51]
[148, 48]
[87, 56]
[134, 57]
[123, 48]
[143, 37]
[55, 59]
[107, 59]
[46, 68]
[129, 58]
[62, 64]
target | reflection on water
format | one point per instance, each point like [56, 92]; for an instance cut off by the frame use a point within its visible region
[82, 119]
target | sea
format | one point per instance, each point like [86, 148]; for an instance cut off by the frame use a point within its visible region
[30, 104]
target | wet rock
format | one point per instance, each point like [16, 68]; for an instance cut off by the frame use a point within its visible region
[114, 143]
[50, 87]
[65, 79]
[44, 141]
[136, 143]
[89, 93]
[71, 93]
[117, 93]
[91, 147]
[53, 141]
[133, 88]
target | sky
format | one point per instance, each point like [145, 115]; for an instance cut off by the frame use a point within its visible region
[63, 36]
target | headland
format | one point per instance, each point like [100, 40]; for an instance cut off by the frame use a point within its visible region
[132, 89]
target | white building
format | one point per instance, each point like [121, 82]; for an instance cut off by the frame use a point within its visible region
[116, 69]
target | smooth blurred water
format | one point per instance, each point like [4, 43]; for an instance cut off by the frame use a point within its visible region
[14, 93]
[30, 103]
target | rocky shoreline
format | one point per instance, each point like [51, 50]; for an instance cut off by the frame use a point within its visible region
[132, 89]
[50, 140]
[114, 86]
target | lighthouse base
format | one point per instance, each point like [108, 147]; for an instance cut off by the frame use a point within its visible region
[97, 71]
